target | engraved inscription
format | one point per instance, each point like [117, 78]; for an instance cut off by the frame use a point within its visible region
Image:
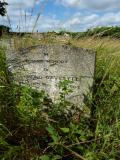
[44, 66]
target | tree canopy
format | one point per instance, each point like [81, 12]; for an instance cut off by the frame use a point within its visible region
[2, 8]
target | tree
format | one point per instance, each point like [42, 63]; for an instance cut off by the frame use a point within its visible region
[2, 8]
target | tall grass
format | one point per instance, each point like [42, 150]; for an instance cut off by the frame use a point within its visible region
[106, 103]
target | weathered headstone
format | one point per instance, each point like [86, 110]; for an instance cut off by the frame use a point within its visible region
[44, 66]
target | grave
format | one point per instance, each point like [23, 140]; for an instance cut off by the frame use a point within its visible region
[43, 67]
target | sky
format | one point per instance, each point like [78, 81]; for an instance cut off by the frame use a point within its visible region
[57, 15]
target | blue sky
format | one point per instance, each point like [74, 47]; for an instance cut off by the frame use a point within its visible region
[70, 15]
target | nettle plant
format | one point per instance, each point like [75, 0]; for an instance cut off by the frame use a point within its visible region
[32, 102]
[51, 123]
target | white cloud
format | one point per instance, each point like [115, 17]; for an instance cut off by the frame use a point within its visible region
[22, 3]
[19, 14]
[47, 23]
[77, 22]
[80, 21]
[91, 4]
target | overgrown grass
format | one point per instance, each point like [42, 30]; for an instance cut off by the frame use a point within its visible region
[106, 103]
[33, 127]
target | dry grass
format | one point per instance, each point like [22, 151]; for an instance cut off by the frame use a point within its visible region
[108, 50]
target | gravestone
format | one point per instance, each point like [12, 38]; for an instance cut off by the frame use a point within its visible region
[44, 66]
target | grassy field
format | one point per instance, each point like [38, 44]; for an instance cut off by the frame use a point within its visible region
[29, 133]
